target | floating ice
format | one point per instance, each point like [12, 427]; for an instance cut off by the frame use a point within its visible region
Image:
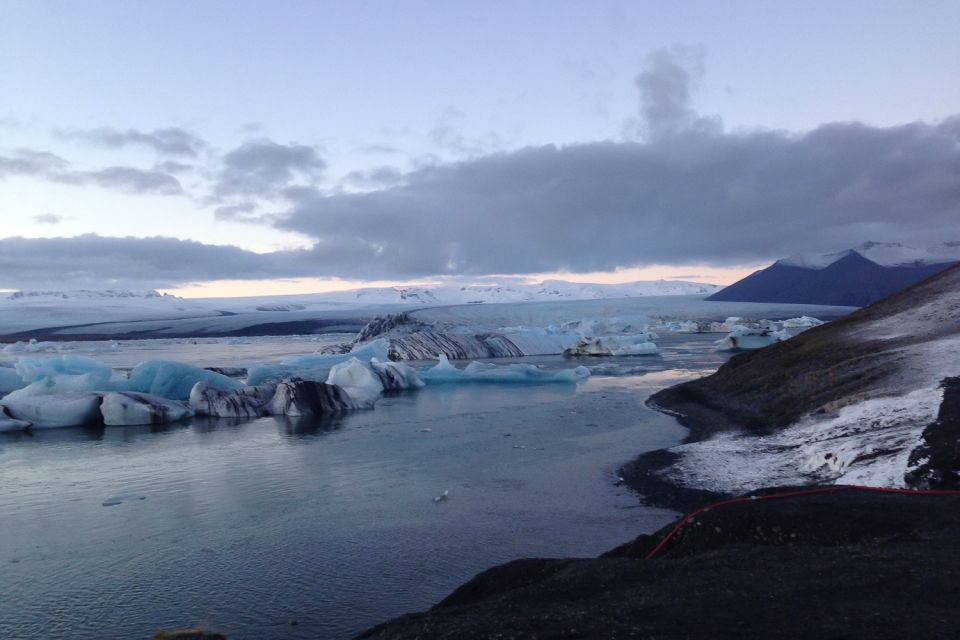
[11, 424]
[308, 398]
[396, 375]
[60, 410]
[173, 380]
[245, 402]
[120, 408]
[630, 345]
[743, 338]
[60, 374]
[315, 366]
[10, 380]
[444, 372]
[120, 498]
[358, 380]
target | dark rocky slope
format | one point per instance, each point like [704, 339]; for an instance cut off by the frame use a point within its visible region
[872, 351]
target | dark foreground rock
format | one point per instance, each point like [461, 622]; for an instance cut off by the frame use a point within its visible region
[843, 564]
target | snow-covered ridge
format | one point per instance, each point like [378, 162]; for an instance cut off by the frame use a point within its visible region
[887, 254]
[544, 291]
[88, 294]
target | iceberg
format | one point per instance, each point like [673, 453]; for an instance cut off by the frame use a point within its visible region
[10, 380]
[395, 376]
[62, 410]
[308, 398]
[358, 381]
[11, 424]
[172, 380]
[634, 345]
[245, 402]
[315, 366]
[444, 372]
[122, 408]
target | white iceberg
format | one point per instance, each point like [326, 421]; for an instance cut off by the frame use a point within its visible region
[359, 382]
[8, 424]
[444, 372]
[121, 408]
[61, 410]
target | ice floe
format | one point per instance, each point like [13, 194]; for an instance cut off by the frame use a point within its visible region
[445, 372]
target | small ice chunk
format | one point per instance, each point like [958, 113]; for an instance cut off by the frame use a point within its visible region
[120, 498]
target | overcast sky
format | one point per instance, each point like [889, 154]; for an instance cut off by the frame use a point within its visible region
[217, 148]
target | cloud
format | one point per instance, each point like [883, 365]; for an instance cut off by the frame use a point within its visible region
[170, 141]
[97, 261]
[172, 166]
[378, 177]
[29, 162]
[49, 218]
[124, 179]
[263, 167]
[695, 196]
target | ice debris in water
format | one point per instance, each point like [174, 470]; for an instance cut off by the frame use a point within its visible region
[444, 372]
[120, 498]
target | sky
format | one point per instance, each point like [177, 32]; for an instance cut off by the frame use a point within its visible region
[230, 148]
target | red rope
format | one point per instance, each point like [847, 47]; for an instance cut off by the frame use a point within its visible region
[788, 494]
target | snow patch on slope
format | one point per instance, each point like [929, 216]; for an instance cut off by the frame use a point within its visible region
[864, 444]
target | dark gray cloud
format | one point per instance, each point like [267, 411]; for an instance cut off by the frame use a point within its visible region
[172, 166]
[376, 178]
[692, 196]
[124, 179]
[262, 167]
[97, 261]
[170, 141]
[49, 166]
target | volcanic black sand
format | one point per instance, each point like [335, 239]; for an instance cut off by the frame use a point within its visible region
[846, 564]
[841, 564]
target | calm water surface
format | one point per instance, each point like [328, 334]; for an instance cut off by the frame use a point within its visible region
[279, 529]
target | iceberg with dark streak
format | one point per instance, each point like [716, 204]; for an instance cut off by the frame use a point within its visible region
[245, 402]
[123, 408]
[309, 398]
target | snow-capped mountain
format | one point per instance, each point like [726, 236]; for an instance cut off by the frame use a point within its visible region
[855, 277]
[886, 254]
